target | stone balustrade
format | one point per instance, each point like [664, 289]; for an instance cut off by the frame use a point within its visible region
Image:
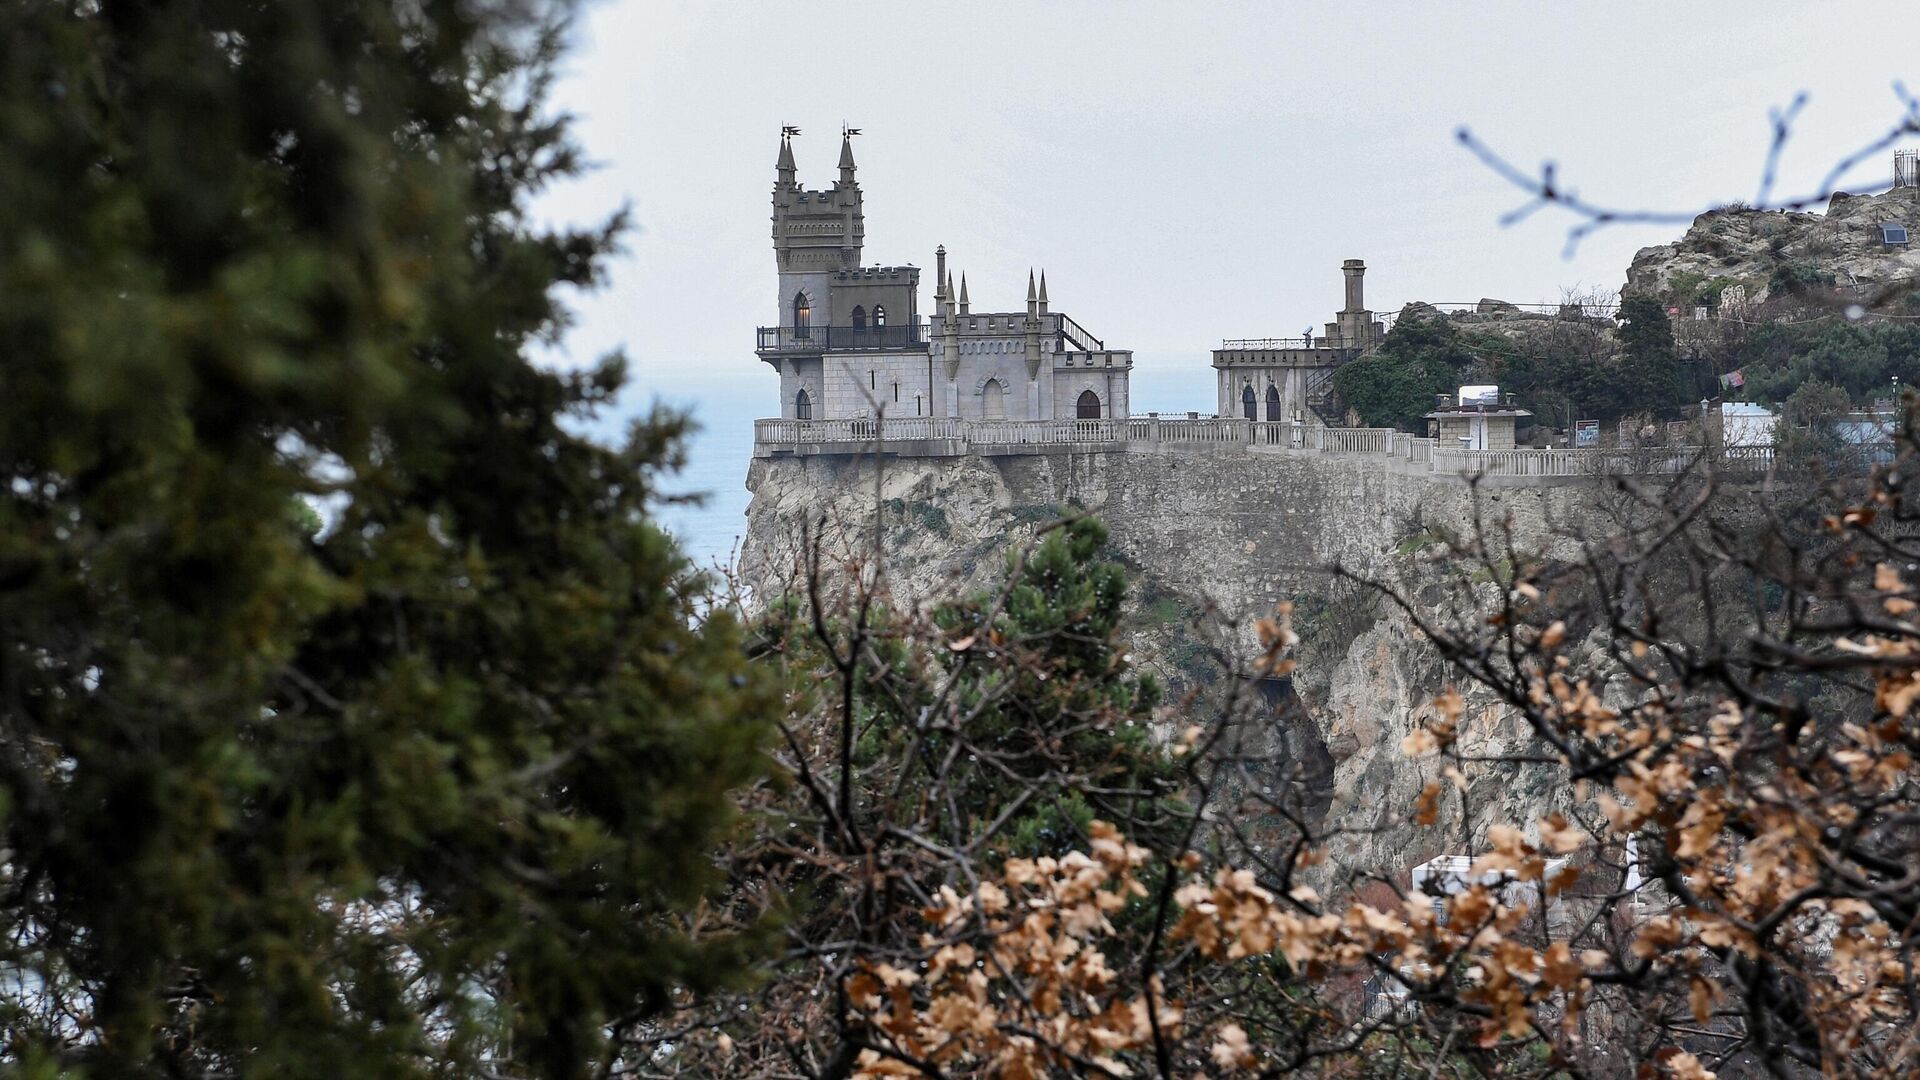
[952, 437]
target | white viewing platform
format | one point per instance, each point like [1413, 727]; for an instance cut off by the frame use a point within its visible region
[922, 436]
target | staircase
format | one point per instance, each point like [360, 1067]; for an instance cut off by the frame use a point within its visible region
[1324, 400]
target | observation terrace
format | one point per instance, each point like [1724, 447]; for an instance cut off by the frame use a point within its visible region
[922, 436]
[814, 340]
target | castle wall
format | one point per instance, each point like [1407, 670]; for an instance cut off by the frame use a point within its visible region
[856, 383]
[1110, 383]
[819, 288]
[1239, 531]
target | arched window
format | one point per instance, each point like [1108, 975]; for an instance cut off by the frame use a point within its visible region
[802, 405]
[1088, 407]
[993, 401]
[879, 316]
[1273, 402]
[1249, 405]
[802, 315]
[859, 319]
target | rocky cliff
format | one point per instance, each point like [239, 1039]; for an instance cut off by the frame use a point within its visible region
[1211, 542]
[1756, 250]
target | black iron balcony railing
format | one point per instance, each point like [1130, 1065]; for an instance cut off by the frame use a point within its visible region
[813, 339]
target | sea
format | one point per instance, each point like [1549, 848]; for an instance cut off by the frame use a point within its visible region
[705, 504]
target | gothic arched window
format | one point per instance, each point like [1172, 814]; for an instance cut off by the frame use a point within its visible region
[1273, 402]
[879, 316]
[802, 314]
[1088, 407]
[993, 401]
[802, 405]
[1249, 405]
[859, 319]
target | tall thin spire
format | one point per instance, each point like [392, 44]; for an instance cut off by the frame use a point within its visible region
[1043, 292]
[784, 166]
[963, 293]
[1031, 297]
[846, 157]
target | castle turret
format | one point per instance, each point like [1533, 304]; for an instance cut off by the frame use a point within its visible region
[783, 167]
[950, 350]
[815, 235]
[846, 160]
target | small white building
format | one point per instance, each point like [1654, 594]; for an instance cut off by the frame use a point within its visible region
[1475, 426]
[1746, 424]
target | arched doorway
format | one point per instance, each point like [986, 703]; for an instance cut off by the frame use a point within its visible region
[1273, 402]
[879, 316]
[993, 401]
[1249, 405]
[859, 319]
[802, 406]
[1088, 407]
[802, 315]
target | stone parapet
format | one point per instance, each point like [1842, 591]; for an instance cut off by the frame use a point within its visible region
[937, 437]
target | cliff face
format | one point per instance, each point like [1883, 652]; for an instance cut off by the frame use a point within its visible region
[1744, 247]
[1211, 542]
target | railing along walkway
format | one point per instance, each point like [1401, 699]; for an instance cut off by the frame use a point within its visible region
[950, 436]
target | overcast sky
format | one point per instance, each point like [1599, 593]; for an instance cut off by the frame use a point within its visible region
[1183, 171]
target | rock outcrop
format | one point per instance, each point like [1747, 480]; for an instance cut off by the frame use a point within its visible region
[1734, 245]
[1210, 542]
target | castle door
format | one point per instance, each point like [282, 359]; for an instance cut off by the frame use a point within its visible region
[802, 406]
[993, 401]
[1273, 402]
[1088, 407]
[1249, 405]
[802, 315]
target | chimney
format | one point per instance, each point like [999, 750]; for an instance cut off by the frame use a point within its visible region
[1356, 273]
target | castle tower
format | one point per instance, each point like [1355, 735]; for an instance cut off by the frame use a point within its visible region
[815, 234]
[1354, 327]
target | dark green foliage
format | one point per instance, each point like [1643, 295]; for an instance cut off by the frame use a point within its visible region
[1649, 376]
[1055, 689]
[1396, 386]
[1864, 359]
[1798, 277]
[1690, 288]
[426, 789]
[1048, 708]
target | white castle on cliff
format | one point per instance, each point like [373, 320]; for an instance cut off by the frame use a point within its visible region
[861, 372]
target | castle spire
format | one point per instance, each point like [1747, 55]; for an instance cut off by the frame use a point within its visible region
[784, 166]
[963, 293]
[1033, 299]
[1043, 292]
[846, 155]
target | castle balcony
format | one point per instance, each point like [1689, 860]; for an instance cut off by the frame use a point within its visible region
[814, 340]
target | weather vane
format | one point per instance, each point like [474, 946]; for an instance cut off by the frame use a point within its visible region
[789, 130]
[847, 132]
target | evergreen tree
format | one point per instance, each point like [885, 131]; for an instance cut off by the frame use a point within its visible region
[421, 793]
[1420, 360]
[1649, 376]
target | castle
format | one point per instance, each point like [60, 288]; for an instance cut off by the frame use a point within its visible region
[861, 372]
[849, 343]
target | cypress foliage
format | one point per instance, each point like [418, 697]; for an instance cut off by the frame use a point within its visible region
[428, 787]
